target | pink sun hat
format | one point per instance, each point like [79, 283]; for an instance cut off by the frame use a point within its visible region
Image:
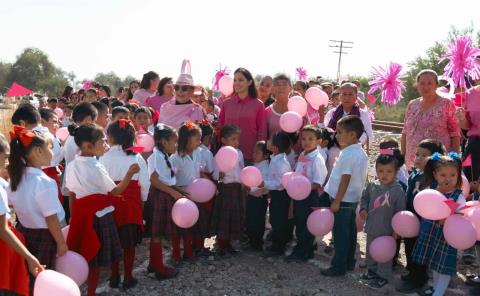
[185, 77]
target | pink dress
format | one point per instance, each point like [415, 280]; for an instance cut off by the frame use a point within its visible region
[438, 122]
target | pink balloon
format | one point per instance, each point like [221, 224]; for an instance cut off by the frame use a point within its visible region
[298, 187]
[251, 176]
[459, 232]
[49, 282]
[286, 178]
[146, 141]
[320, 222]
[359, 221]
[471, 206]
[65, 231]
[406, 224]
[297, 104]
[291, 121]
[59, 113]
[465, 186]
[201, 190]
[474, 216]
[62, 133]
[383, 249]
[430, 204]
[225, 85]
[74, 266]
[184, 213]
[226, 158]
[316, 97]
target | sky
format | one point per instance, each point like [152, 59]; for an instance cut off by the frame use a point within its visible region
[267, 37]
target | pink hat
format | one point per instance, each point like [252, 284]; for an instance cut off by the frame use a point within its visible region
[185, 77]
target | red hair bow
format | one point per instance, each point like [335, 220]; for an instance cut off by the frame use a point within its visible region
[123, 123]
[23, 135]
[203, 122]
[190, 125]
[386, 152]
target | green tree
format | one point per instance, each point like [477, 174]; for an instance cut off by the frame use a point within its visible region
[127, 80]
[109, 79]
[4, 72]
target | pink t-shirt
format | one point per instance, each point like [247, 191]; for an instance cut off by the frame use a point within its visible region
[156, 102]
[273, 121]
[472, 106]
[141, 96]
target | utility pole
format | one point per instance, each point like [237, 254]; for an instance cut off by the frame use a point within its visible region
[341, 45]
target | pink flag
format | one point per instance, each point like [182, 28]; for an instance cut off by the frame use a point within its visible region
[371, 98]
[468, 161]
[17, 90]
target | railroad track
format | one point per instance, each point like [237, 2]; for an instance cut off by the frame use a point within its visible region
[389, 126]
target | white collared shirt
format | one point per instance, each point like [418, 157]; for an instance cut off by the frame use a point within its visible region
[292, 158]
[35, 199]
[278, 166]
[4, 210]
[234, 175]
[157, 164]
[366, 120]
[206, 162]
[70, 150]
[314, 169]
[352, 161]
[117, 163]
[85, 176]
[263, 168]
[324, 153]
[186, 168]
[57, 149]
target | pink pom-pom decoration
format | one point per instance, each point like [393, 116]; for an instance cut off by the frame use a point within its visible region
[389, 82]
[462, 60]
[301, 73]
[86, 84]
[218, 75]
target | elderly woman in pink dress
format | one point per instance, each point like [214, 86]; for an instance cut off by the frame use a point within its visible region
[148, 87]
[429, 117]
[181, 108]
[244, 110]
[164, 94]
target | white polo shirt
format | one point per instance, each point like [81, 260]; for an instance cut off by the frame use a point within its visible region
[314, 168]
[278, 166]
[157, 163]
[234, 175]
[186, 168]
[206, 162]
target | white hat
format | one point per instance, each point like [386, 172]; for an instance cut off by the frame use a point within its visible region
[185, 77]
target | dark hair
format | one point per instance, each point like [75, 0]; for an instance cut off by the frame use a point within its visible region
[89, 133]
[101, 107]
[164, 132]
[262, 146]
[388, 143]
[434, 164]
[123, 136]
[185, 132]
[3, 144]
[283, 77]
[27, 113]
[142, 110]
[105, 101]
[47, 114]
[207, 129]
[335, 94]
[82, 111]
[281, 140]
[352, 123]
[229, 130]
[52, 100]
[116, 103]
[106, 89]
[303, 84]
[67, 91]
[314, 129]
[146, 79]
[17, 162]
[119, 109]
[130, 94]
[69, 106]
[131, 107]
[252, 89]
[433, 146]
[396, 158]
[164, 81]
[326, 135]
[92, 90]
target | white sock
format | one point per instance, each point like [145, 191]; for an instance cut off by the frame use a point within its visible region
[442, 284]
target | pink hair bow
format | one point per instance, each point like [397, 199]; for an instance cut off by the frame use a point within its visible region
[386, 152]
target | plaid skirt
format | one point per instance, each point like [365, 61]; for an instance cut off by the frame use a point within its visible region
[162, 222]
[110, 250]
[130, 235]
[202, 227]
[228, 217]
[432, 250]
[41, 244]
[8, 293]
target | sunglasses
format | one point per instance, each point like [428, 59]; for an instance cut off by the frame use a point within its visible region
[183, 88]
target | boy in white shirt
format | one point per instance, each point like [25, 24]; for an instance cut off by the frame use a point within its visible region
[345, 188]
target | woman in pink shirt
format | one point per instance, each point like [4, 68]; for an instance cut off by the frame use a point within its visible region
[244, 110]
[148, 87]
[164, 94]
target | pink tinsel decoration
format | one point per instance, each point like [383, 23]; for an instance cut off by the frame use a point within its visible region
[86, 84]
[219, 74]
[301, 73]
[463, 59]
[389, 82]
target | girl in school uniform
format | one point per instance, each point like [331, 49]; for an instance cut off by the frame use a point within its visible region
[34, 196]
[93, 232]
[128, 207]
[229, 211]
[163, 193]
[13, 253]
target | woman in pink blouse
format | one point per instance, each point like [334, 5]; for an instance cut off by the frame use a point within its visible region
[429, 117]
[244, 110]
[164, 94]
[148, 87]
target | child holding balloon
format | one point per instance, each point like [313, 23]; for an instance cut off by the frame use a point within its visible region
[432, 249]
[128, 208]
[381, 200]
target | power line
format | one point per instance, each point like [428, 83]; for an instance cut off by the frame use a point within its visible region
[341, 45]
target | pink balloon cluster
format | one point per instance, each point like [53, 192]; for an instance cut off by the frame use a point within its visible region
[185, 213]
[320, 222]
[49, 282]
[251, 176]
[226, 159]
[201, 190]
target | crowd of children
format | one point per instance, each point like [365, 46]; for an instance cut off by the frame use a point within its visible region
[111, 194]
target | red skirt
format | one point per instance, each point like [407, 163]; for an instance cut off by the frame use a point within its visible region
[41, 244]
[162, 222]
[110, 250]
[228, 217]
[14, 277]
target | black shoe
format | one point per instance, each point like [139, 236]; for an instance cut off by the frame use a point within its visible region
[377, 283]
[406, 277]
[409, 287]
[427, 292]
[168, 274]
[331, 273]
[128, 284]
[114, 282]
[369, 275]
[473, 281]
[294, 257]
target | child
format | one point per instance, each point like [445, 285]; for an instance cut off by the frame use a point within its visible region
[13, 272]
[142, 120]
[102, 114]
[444, 173]
[417, 274]
[26, 116]
[312, 165]
[381, 200]
[34, 196]
[93, 233]
[91, 95]
[345, 187]
[120, 112]
[325, 143]
[128, 208]
[163, 194]
[67, 115]
[228, 211]
[52, 103]
[278, 145]
[204, 148]
[402, 174]
[257, 201]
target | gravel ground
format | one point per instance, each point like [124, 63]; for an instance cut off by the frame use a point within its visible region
[250, 274]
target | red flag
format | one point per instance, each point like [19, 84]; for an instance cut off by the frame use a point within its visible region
[468, 161]
[17, 90]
